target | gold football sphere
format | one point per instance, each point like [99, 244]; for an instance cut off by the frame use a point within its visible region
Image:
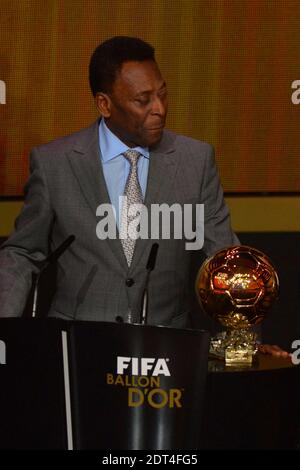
[237, 286]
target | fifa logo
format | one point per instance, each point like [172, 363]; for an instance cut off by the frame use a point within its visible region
[142, 366]
[2, 352]
[146, 379]
[2, 92]
[296, 94]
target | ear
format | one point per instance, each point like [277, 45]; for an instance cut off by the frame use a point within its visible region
[103, 103]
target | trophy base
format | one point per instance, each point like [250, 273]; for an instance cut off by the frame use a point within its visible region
[235, 347]
[241, 357]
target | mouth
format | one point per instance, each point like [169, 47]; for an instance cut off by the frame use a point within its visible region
[160, 128]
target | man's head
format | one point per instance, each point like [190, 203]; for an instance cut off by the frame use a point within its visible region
[129, 90]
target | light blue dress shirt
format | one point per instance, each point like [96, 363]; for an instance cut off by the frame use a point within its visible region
[116, 167]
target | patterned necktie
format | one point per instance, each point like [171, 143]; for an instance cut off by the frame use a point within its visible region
[134, 195]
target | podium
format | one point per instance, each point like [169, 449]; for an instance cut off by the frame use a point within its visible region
[137, 387]
[94, 385]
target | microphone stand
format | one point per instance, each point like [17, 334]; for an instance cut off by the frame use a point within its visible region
[35, 293]
[144, 312]
[150, 266]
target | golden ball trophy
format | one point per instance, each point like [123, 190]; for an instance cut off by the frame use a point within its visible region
[237, 286]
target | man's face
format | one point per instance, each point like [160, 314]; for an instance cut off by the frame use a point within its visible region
[136, 108]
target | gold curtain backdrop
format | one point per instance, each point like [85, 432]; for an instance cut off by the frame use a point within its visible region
[229, 66]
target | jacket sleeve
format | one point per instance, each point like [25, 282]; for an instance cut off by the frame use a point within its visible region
[217, 227]
[28, 246]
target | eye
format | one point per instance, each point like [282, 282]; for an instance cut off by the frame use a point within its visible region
[142, 101]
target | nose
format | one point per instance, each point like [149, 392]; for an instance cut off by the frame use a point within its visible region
[158, 106]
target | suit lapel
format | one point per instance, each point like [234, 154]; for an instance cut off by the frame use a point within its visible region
[85, 160]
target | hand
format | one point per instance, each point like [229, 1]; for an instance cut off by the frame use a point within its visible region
[273, 349]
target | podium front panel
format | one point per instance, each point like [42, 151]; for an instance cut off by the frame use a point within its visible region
[136, 387]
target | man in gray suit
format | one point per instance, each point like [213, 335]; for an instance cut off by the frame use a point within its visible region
[73, 176]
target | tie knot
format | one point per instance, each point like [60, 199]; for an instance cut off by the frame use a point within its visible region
[132, 156]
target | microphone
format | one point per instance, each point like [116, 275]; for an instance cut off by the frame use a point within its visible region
[49, 260]
[59, 251]
[150, 266]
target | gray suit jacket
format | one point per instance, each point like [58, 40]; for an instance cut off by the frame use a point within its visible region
[65, 187]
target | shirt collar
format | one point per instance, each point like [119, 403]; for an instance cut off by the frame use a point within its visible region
[111, 146]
